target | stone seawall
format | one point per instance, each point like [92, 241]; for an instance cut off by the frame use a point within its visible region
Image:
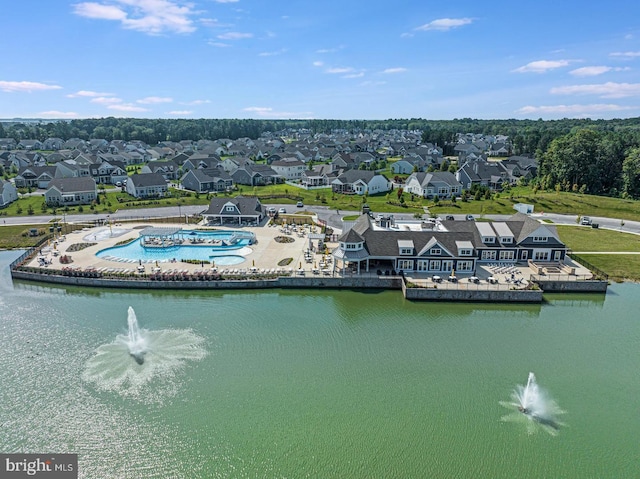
[591, 286]
[394, 283]
[281, 282]
[479, 295]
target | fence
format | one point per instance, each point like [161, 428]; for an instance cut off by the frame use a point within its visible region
[597, 272]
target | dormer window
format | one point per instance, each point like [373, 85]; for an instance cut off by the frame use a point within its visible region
[435, 252]
[507, 240]
[230, 209]
[540, 239]
[488, 239]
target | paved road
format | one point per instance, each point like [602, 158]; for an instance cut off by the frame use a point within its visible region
[332, 217]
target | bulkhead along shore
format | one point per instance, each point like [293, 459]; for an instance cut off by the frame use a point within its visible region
[239, 244]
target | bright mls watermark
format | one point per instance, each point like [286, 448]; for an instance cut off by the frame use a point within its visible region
[49, 466]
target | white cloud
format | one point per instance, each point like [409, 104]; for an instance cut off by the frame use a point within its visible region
[126, 107]
[443, 24]
[542, 66]
[394, 70]
[26, 86]
[269, 112]
[596, 70]
[625, 54]
[337, 70]
[58, 114]
[590, 71]
[180, 112]
[106, 100]
[372, 83]
[573, 109]
[153, 17]
[272, 54]
[196, 102]
[258, 109]
[88, 93]
[213, 23]
[154, 99]
[354, 75]
[603, 90]
[225, 1]
[234, 36]
[330, 50]
[318, 64]
[99, 10]
[218, 44]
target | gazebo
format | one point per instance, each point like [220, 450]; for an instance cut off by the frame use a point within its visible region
[153, 237]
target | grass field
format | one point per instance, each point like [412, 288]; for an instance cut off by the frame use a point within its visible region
[619, 267]
[17, 236]
[501, 203]
[599, 240]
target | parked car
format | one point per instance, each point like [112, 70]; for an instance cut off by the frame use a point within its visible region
[299, 204]
[585, 221]
[282, 211]
[469, 218]
[450, 217]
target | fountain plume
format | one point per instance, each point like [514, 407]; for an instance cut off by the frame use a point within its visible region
[136, 343]
[533, 403]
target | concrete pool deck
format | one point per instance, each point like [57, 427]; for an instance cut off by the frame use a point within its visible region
[265, 254]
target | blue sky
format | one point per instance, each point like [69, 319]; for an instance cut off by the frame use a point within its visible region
[349, 59]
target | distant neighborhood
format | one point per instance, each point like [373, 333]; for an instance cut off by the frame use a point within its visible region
[69, 172]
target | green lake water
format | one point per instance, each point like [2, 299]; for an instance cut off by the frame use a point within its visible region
[318, 383]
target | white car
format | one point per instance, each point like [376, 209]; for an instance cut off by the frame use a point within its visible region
[282, 211]
[586, 221]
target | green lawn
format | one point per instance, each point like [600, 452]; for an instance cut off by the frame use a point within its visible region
[589, 239]
[17, 236]
[502, 203]
[619, 267]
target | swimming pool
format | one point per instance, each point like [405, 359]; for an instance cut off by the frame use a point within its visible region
[222, 247]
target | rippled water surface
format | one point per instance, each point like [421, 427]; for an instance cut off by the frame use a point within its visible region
[317, 383]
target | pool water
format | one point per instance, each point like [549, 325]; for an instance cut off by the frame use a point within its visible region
[212, 248]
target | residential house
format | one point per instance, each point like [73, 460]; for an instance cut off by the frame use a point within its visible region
[361, 182]
[29, 145]
[167, 168]
[53, 144]
[255, 175]
[402, 167]
[201, 162]
[148, 185]
[108, 172]
[7, 144]
[319, 176]
[442, 184]
[206, 180]
[75, 144]
[35, 177]
[480, 172]
[289, 168]
[8, 193]
[71, 191]
[238, 210]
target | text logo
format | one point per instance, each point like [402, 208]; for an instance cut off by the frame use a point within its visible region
[47, 466]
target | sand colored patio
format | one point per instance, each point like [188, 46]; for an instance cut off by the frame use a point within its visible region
[266, 254]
